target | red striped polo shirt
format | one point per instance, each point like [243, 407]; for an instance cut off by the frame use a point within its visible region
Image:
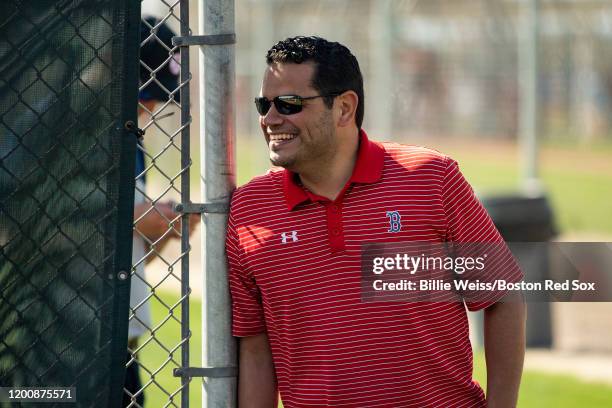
[294, 261]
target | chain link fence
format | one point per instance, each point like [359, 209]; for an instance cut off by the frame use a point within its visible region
[67, 92]
[159, 334]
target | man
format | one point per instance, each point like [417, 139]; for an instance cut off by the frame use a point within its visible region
[294, 245]
[152, 222]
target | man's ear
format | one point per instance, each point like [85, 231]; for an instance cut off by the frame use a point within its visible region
[347, 106]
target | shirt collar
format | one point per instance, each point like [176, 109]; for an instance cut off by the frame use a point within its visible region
[367, 170]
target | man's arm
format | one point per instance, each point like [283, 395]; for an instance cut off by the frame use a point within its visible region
[504, 331]
[256, 380]
[155, 224]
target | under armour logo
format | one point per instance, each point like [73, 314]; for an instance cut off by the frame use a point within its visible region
[395, 221]
[285, 236]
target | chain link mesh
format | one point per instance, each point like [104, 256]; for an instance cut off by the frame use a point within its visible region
[156, 303]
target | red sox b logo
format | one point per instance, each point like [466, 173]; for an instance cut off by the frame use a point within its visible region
[395, 221]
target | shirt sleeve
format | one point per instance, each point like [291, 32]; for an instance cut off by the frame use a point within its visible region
[471, 229]
[247, 311]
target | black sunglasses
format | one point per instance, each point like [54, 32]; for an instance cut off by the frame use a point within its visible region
[286, 104]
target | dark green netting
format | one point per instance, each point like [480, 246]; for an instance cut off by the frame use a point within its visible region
[68, 83]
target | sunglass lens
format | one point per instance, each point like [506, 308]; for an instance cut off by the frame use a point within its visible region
[285, 105]
[262, 105]
[288, 105]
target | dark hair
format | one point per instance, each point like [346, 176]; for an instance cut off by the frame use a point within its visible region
[336, 69]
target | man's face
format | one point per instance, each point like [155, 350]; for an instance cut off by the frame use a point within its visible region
[296, 141]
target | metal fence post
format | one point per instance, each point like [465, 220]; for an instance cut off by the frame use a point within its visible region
[185, 198]
[529, 103]
[218, 181]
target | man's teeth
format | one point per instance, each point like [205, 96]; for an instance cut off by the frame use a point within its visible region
[281, 136]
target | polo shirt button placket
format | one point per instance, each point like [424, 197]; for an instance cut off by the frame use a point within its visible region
[334, 223]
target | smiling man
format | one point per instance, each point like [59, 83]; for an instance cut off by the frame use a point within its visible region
[294, 249]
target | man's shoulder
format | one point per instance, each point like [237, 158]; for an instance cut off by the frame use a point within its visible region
[267, 186]
[413, 155]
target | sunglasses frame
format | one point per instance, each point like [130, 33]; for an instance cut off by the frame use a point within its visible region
[287, 104]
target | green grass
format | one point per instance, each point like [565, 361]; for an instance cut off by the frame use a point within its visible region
[580, 199]
[537, 390]
[540, 390]
[155, 354]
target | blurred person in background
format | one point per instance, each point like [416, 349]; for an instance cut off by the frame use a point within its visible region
[294, 250]
[151, 220]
